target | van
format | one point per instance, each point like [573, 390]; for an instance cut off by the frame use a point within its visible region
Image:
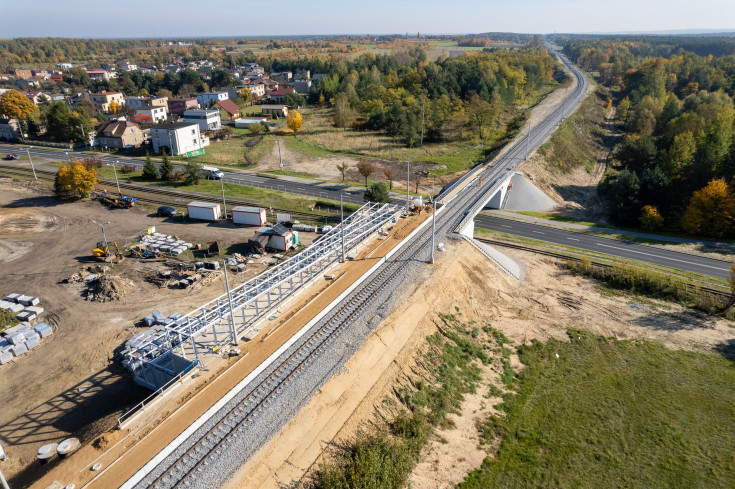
[212, 172]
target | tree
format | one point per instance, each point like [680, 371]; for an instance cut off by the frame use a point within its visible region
[256, 129]
[192, 173]
[342, 168]
[150, 171]
[650, 218]
[344, 114]
[74, 181]
[621, 192]
[294, 120]
[294, 100]
[389, 175]
[378, 192]
[678, 159]
[366, 169]
[167, 167]
[623, 108]
[64, 124]
[114, 107]
[15, 105]
[711, 210]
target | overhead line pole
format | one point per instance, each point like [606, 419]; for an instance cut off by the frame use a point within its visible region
[408, 178]
[342, 226]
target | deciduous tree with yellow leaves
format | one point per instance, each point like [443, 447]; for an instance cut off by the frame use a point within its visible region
[651, 218]
[15, 105]
[294, 120]
[711, 211]
[75, 181]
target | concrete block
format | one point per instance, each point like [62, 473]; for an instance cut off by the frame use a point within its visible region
[29, 335]
[32, 343]
[43, 330]
[5, 305]
[158, 316]
[149, 321]
[18, 328]
[36, 309]
[212, 265]
[12, 297]
[15, 338]
[26, 315]
[183, 282]
[4, 343]
[5, 357]
[198, 265]
[28, 301]
[19, 349]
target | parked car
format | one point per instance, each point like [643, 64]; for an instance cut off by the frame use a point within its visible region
[166, 211]
[11, 156]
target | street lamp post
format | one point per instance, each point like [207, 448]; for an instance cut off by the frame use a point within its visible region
[342, 226]
[408, 178]
[28, 150]
[280, 161]
[104, 236]
[114, 168]
[224, 203]
[433, 227]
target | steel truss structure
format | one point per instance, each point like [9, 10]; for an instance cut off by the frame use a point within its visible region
[251, 301]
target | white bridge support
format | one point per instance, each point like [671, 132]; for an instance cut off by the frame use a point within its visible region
[494, 198]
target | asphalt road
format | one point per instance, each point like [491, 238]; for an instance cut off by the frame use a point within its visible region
[615, 247]
[326, 190]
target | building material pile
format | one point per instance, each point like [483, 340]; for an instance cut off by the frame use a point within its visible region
[20, 339]
[164, 243]
[155, 338]
[108, 288]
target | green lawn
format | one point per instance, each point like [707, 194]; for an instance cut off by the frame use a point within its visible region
[596, 412]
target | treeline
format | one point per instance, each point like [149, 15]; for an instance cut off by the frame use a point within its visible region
[416, 100]
[676, 164]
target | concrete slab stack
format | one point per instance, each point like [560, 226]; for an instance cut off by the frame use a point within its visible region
[19, 339]
[165, 243]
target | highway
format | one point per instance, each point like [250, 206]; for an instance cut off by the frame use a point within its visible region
[620, 248]
[326, 190]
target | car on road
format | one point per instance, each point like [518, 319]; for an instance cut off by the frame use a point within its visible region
[166, 211]
[11, 156]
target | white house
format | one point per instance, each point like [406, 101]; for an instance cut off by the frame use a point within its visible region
[179, 137]
[208, 119]
[158, 112]
[129, 66]
[207, 99]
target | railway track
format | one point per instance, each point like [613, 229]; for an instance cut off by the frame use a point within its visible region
[165, 196]
[720, 294]
[216, 437]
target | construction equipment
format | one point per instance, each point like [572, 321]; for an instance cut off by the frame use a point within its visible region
[103, 251]
[123, 202]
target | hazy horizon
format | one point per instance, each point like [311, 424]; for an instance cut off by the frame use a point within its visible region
[229, 18]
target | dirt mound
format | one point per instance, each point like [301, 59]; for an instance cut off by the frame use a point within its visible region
[108, 288]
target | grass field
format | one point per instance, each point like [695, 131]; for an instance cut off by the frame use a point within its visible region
[596, 412]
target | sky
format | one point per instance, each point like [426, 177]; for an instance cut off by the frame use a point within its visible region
[194, 18]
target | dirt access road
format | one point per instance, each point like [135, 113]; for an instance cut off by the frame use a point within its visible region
[70, 385]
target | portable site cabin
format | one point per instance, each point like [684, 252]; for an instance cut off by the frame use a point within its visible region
[277, 238]
[204, 211]
[250, 216]
[281, 238]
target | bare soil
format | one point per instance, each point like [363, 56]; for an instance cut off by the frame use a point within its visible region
[548, 302]
[70, 384]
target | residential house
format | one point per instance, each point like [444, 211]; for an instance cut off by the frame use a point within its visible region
[178, 137]
[246, 122]
[27, 83]
[254, 69]
[207, 119]
[148, 69]
[103, 100]
[275, 111]
[129, 66]
[64, 66]
[134, 102]
[23, 74]
[6, 76]
[257, 90]
[302, 75]
[37, 97]
[154, 101]
[42, 74]
[177, 106]
[277, 95]
[158, 101]
[207, 99]
[56, 78]
[157, 113]
[282, 76]
[9, 130]
[318, 76]
[99, 74]
[228, 109]
[302, 86]
[119, 134]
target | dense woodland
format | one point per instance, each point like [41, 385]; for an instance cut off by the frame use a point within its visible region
[676, 165]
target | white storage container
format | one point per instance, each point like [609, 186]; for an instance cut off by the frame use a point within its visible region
[204, 211]
[250, 216]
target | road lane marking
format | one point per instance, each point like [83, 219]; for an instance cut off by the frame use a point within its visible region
[505, 225]
[538, 232]
[660, 256]
[573, 239]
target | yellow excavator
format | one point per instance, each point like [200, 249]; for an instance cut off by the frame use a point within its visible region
[103, 251]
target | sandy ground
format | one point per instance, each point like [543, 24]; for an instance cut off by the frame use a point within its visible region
[70, 383]
[548, 302]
